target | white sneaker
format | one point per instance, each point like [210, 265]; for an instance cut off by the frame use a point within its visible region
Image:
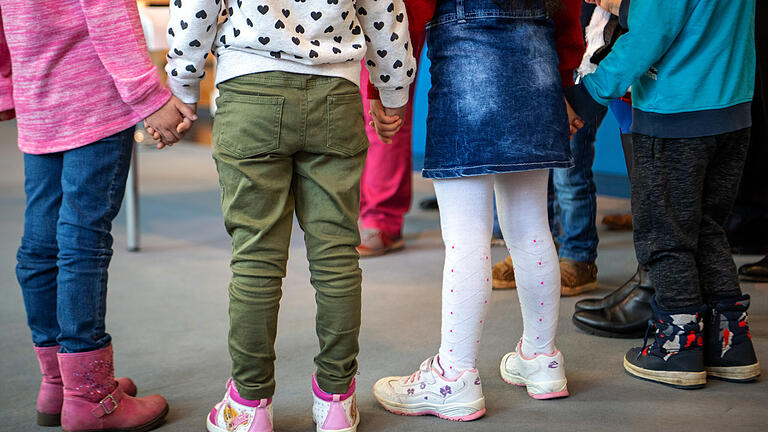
[428, 392]
[335, 412]
[235, 414]
[543, 375]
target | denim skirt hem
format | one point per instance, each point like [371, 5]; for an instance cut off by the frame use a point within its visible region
[446, 173]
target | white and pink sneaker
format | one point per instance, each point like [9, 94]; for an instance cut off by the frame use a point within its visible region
[428, 392]
[235, 414]
[543, 375]
[335, 412]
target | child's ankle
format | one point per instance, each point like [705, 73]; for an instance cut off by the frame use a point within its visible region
[252, 403]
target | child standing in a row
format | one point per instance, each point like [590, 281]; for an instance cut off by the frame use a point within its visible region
[494, 127]
[691, 65]
[289, 137]
[77, 76]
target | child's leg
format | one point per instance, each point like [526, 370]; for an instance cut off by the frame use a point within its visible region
[522, 200]
[93, 182]
[668, 177]
[717, 271]
[466, 221]
[36, 269]
[253, 153]
[386, 181]
[326, 184]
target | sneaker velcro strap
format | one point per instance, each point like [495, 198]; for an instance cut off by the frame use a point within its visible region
[109, 404]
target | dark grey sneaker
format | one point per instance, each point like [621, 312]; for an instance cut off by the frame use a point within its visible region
[729, 354]
[676, 356]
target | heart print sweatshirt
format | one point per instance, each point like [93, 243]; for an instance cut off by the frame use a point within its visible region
[318, 37]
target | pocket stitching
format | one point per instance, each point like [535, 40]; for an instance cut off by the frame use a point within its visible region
[262, 100]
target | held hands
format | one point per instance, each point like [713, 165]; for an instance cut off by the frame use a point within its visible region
[610, 6]
[387, 121]
[8, 114]
[169, 124]
[574, 121]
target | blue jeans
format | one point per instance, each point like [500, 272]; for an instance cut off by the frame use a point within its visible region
[72, 198]
[576, 198]
[572, 201]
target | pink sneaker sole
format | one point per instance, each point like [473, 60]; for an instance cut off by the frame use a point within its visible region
[470, 417]
[542, 396]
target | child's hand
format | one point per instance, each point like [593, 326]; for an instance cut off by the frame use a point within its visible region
[8, 114]
[169, 124]
[574, 121]
[610, 6]
[387, 121]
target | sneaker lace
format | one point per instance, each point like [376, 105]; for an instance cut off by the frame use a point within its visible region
[426, 365]
[651, 325]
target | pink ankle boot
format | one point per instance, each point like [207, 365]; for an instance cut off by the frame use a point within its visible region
[50, 397]
[94, 401]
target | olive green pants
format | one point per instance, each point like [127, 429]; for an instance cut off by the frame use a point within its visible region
[283, 143]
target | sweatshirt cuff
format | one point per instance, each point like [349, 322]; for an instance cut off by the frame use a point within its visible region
[152, 102]
[187, 93]
[624, 14]
[583, 104]
[394, 98]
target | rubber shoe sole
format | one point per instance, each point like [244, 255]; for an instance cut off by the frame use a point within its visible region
[604, 333]
[453, 411]
[740, 374]
[501, 284]
[148, 426]
[681, 380]
[560, 392]
[394, 247]
[567, 291]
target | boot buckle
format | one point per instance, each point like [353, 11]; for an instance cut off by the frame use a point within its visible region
[108, 410]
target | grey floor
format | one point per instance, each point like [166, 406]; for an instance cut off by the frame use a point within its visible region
[167, 314]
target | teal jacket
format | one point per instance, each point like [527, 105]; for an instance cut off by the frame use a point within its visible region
[691, 65]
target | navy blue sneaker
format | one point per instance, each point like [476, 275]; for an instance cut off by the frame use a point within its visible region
[729, 354]
[676, 356]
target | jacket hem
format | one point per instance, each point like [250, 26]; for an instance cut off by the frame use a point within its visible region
[692, 124]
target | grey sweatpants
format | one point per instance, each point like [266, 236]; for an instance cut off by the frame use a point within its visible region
[682, 193]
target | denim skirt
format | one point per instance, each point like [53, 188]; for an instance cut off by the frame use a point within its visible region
[496, 104]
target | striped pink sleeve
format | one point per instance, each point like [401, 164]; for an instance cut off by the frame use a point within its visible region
[115, 31]
[6, 84]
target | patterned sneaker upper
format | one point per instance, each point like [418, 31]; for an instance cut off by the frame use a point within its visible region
[335, 412]
[542, 374]
[236, 414]
[429, 385]
[728, 340]
[678, 342]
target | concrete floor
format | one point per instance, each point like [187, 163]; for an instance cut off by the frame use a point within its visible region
[167, 314]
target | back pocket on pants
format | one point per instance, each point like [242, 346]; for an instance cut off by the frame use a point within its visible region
[248, 125]
[346, 126]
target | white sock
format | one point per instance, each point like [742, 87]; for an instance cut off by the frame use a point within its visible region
[466, 220]
[521, 201]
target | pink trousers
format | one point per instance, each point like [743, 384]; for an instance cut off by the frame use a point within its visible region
[386, 183]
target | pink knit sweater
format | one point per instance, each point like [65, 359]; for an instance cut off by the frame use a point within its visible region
[80, 71]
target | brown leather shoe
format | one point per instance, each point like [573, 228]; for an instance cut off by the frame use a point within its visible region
[577, 277]
[504, 275]
[618, 222]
